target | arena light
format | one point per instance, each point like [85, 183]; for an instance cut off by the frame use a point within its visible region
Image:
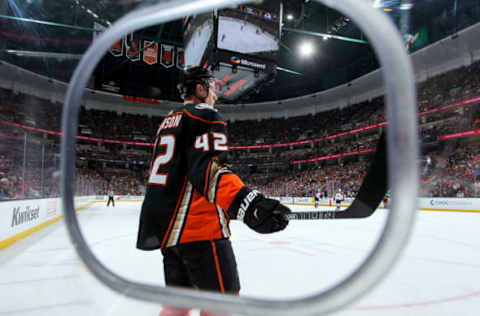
[289, 16]
[377, 3]
[91, 13]
[306, 49]
[406, 6]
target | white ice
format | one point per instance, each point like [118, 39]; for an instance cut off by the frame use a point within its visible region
[438, 274]
[252, 40]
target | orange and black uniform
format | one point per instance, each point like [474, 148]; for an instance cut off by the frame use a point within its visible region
[189, 191]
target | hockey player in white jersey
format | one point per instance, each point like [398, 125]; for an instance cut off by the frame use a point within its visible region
[317, 197]
[339, 197]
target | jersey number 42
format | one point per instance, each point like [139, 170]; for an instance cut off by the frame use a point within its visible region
[168, 141]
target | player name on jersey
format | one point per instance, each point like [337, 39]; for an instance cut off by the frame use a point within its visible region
[171, 121]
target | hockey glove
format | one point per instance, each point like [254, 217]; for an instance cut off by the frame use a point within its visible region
[261, 214]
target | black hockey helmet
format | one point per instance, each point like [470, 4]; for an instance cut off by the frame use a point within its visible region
[192, 76]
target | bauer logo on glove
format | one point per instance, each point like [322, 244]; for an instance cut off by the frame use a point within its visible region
[263, 215]
[246, 203]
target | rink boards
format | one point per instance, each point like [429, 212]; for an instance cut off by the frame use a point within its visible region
[22, 218]
[43, 275]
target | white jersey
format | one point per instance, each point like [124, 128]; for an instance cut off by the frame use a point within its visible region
[110, 194]
[317, 195]
[339, 196]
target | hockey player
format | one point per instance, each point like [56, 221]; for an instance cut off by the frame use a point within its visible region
[339, 197]
[191, 196]
[111, 198]
[317, 198]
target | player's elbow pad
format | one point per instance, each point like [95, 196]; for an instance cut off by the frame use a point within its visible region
[261, 214]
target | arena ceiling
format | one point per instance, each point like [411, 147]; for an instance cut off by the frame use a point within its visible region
[49, 36]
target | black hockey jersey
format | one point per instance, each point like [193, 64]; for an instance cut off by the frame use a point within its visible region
[188, 189]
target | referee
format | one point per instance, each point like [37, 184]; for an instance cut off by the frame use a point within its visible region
[111, 198]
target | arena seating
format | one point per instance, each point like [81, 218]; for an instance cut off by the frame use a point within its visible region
[277, 156]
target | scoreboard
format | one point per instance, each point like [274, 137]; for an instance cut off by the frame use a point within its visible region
[240, 45]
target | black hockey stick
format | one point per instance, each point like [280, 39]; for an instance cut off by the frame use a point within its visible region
[370, 195]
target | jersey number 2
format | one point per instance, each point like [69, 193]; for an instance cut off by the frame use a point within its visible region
[157, 178]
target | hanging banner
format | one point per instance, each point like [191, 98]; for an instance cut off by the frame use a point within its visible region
[150, 52]
[180, 60]
[167, 55]
[117, 49]
[132, 46]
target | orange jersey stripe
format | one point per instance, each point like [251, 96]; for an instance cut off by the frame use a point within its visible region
[204, 120]
[229, 185]
[217, 266]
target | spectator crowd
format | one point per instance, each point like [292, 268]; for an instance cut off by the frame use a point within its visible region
[29, 161]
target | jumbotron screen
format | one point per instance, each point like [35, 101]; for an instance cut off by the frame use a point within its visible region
[198, 37]
[249, 30]
[240, 45]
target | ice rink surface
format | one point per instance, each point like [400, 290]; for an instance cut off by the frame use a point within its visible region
[438, 274]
